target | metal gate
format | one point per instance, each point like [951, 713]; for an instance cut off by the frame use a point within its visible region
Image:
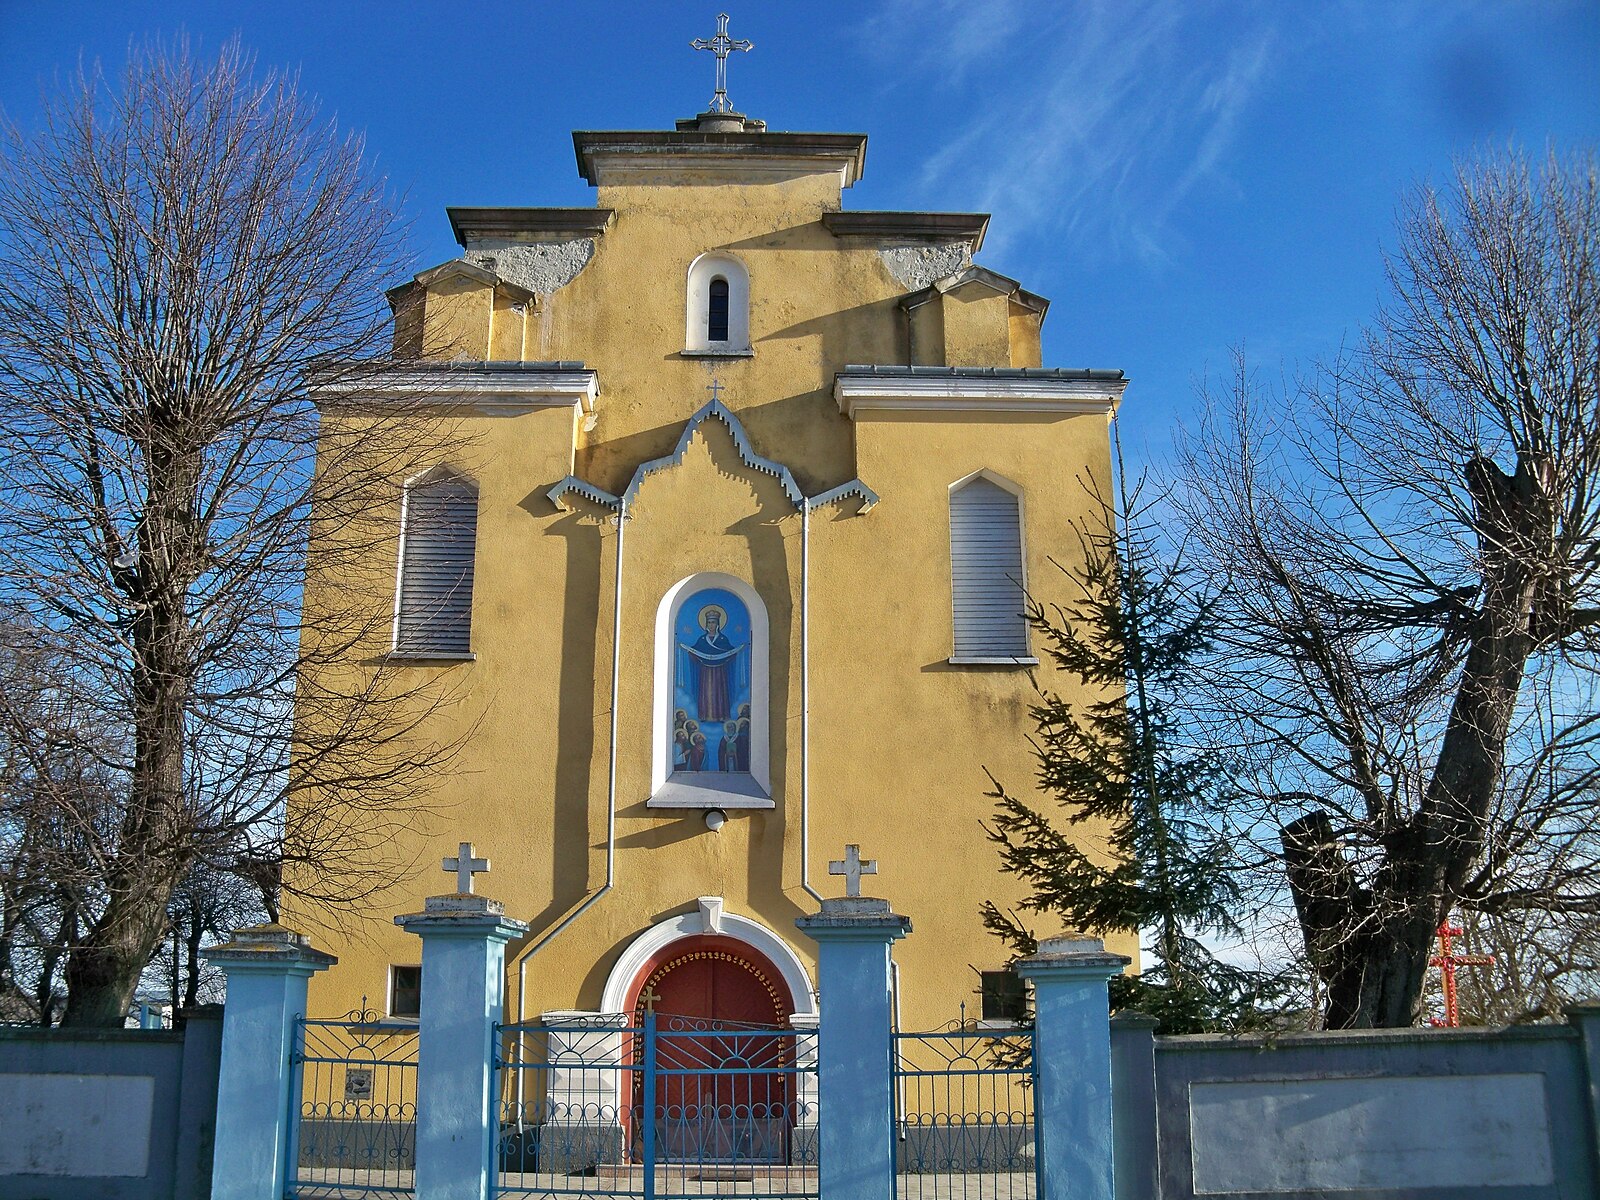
[964, 1124]
[664, 1108]
[353, 1108]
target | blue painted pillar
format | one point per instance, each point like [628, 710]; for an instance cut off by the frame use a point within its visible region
[266, 968]
[463, 981]
[1585, 1017]
[855, 1103]
[1072, 1050]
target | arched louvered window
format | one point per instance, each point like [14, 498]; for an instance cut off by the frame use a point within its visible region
[433, 611]
[986, 571]
[717, 311]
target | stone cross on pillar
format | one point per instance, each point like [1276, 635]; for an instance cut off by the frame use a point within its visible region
[465, 867]
[722, 45]
[852, 867]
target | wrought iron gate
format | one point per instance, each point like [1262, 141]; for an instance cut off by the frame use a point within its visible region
[664, 1108]
[964, 1124]
[353, 1108]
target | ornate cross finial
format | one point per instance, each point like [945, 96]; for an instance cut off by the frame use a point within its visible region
[853, 868]
[648, 998]
[722, 45]
[465, 867]
[715, 389]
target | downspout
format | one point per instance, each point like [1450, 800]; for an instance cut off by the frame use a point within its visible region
[611, 793]
[805, 701]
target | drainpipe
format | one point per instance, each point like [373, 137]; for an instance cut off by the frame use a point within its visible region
[611, 802]
[805, 701]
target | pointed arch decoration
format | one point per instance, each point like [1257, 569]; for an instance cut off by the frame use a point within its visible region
[712, 410]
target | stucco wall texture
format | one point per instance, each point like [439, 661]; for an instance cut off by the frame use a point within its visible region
[899, 736]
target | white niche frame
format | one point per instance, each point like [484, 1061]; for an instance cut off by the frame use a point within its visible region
[664, 792]
[717, 264]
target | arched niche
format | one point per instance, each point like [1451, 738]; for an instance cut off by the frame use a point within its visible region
[699, 323]
[681, 626]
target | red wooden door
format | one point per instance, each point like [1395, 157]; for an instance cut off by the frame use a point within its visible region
[720, 1092]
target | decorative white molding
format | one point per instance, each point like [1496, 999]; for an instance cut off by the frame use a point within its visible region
[747, 455]
[711, 914]
[975, 393]
[496, 393]
[625, 973]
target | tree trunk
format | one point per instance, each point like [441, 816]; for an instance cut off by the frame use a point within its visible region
[1371, 947]
[156, 843]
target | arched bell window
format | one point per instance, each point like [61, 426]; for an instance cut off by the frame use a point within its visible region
[718, 316]
[717, 311]
[438, 536]
[988, 586]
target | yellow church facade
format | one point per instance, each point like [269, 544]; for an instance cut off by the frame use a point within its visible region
[724, 574]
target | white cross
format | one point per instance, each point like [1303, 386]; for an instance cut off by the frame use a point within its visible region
[465, 867]
[853, 868]
[722, 45]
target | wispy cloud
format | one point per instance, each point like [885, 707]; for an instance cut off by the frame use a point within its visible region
[1091, 122]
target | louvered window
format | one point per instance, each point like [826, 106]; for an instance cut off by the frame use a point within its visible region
[435, 604]
[986, 567]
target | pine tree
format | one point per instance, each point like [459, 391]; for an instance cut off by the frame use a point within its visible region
[1133, 638]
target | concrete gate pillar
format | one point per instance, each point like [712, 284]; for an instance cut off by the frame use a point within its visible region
[463, 981]
[855, 1122]
[1072, 1054]
[267, 967]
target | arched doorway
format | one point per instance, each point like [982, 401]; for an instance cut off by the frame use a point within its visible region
[723, 1047]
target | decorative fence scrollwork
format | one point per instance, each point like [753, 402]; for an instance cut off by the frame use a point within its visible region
[355, 1101]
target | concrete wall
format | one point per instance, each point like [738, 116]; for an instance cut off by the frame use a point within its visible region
[1417, 1114]
[110, 1114]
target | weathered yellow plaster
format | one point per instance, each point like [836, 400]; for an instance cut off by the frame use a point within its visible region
[899, 737]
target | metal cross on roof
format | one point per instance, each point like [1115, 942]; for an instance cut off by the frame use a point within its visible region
[722, 45]
[465, 867]
[715, 389]
[852, 867]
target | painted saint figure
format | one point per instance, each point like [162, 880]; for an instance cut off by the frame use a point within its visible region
[711, 689]
[713, 655]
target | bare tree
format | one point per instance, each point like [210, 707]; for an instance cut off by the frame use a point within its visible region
[177, 251]
[1408, 541]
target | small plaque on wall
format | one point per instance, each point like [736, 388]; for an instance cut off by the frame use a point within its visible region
[358, 1083]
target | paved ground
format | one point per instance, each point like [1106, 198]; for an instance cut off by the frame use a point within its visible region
[624, 1184]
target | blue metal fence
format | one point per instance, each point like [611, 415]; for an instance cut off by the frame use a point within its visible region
[964, 1124]
[353, 1104]
[666, 1108]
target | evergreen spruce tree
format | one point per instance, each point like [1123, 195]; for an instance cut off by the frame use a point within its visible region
[1134, 637]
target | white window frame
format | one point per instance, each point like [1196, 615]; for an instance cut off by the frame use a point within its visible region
[717, 264]
[666, 661]
[421, 479]
[1026, 658]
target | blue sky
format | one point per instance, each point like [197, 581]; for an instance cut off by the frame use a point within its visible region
[1176, 177]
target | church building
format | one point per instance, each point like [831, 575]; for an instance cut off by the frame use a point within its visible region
[726, 575]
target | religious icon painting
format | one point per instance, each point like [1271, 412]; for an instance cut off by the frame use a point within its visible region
[711, 705]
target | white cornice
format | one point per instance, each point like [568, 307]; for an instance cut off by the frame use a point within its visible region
[977, 394]
[503, 394]
[620, 168]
